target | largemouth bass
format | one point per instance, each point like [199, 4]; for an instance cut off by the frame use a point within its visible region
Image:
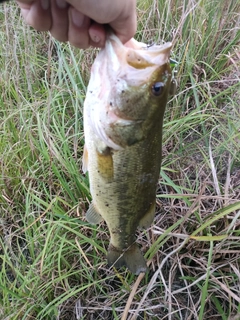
[123, 118]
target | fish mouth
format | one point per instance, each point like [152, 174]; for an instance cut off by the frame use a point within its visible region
[138, 54]
[141, 55]
[136, 61]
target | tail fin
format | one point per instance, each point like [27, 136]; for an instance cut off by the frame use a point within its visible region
[132, 258]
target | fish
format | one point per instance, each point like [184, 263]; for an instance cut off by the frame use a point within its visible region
[123, 119]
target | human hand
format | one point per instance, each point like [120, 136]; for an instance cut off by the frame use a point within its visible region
[81, 22]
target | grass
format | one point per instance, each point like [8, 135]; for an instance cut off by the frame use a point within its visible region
[52, 262]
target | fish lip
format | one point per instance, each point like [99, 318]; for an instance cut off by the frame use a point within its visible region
[136, 45]
[132, 50]
[135, 62]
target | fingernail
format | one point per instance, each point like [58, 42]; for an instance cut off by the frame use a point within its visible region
[77, 17]
[62, 4]
[45, 4]
[94, 37]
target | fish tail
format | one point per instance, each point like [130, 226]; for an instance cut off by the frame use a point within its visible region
[131, 258]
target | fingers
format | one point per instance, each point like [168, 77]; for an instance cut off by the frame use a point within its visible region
[37, 14]
[47, 15]
[64, 22]
[120, 15]
[97, 34]
[59, 17]
[126, 27]
[78, 29]
[82, 23]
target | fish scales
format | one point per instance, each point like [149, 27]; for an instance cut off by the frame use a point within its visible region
[123, 118]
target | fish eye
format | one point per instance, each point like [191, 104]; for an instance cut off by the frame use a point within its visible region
[157, 88]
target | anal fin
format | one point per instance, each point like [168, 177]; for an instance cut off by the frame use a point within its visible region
[93, 216]
[148, 218]
[105, 165]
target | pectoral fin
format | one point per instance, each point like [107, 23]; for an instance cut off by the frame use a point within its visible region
[147, 219]
[104, 161]
[93, 216]
[85, 160]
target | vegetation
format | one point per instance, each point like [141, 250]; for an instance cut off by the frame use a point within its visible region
[52, 262]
